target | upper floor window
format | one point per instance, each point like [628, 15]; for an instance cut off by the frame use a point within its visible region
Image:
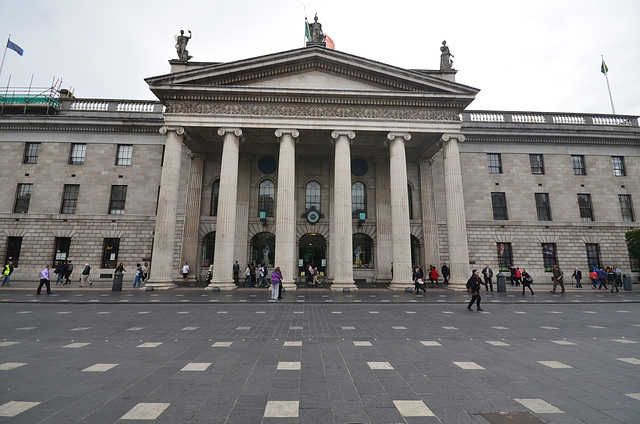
[495, 163]
[125, 151]
[312, 196]
[77, 154]
[70, 198]
[31, 152]
[215, 194]
[358, 199]
[499, 204]
[537, 164]
[579, 167]
[118, 199]
[543, 207]
[584, 204]
[410, 197]
[625, 207]
[23, 198]
[266, 199]
[618, 166]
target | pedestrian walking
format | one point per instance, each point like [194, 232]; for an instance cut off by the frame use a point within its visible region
[557, 279]
[433, 275]
[488, 275]
[185, 272]
[8, 270]
[618, 273]
[418, 280]
[316, 277]
[276, 278]
[602, 278]
[527, 280]
[445, 273]
[473, 287]
[247, 276]
[236, 272]
[85, 276]
[139, 276]
[612, 280]
[518, 277]
[593, 276]
[45, 280]
[145, 271]
[577, 275]
[68, 271]
[60, 271]
[261, 278]
[512, 270]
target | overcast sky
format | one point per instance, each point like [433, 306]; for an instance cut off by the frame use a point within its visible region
[523, 55]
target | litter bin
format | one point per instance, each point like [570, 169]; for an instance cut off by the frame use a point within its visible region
[501, 282]
[626, 282]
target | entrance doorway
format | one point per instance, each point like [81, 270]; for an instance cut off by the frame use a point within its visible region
[263, 249]
[312, 249]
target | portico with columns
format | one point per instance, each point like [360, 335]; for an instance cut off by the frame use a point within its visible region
[310, 145]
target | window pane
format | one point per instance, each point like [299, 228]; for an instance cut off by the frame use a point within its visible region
[584, 203]
[23, 197]
[504, 256]
[312, 196]
[593, 255]
[266, 197]
[625, 207]
[499, 203]
[78, 152]
[70, 198]
[618, 166]
[31, 152]
[215, 194]
[410, 202]
[549, 256]
[61, 253]
[118, 198]
[125, 152]
[362, 251]
[537, 164]
[495, 163]
[14, 244]
[578, 163]
[110, 252]
[358, 199]
[542, 207]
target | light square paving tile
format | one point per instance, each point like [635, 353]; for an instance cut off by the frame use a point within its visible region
[626, 341]
[190, 328]
[361, 343]
[498, 343]
[520, 312]
[185, 312]
[25, 328]
[261, 312]
[63, 313]
[430, 343]
[150, 344]
[499, 327]
[135, 329]
[102, 313]
[282, 409]
[145, 411]
[295, 327]
[348, 328]
[448, 327]
[597, 327]
[289, 366]
[398, 327]
[563, 342]
[293, 343]
[26, 312]
[539, 406]
[5, 344]
[243, 328]
[413, 408]
[635, 396]
[222, 312]
[144, 313]
[380, 365]
[589, 312]
[221, 344]
[336, 312]
[11, 365]
[76, 345]
[196, 366]
[549, 328]
[373, 312]
[554, 364]
[298, 312]
[469, 365]
[410, 312]
[447, 312]
[81, 329]
[13, 408]
[100, 367]
[634, 361]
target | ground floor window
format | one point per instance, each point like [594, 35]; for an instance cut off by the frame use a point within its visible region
[110, 252]
[208, 249]
[415, 251]
[263, 249]
[61, 253]
[312, 250]
[505, 258]
[549, 256]
[14, 244]
[593, 255]
[635, 264]
[362, 251]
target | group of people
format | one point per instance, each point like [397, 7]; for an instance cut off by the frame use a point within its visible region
[418, 276]
[600, 276]
[313, 276]
[63, 270]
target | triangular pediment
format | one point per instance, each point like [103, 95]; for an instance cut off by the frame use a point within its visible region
[316, 79]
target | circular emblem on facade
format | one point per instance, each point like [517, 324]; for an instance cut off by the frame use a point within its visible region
[359, 167]
[267, 165]
[313, 216]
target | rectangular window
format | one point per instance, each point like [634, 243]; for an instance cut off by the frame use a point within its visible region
[505, 259]
[584, 203]
[110, 250]
[125, 151]
[78, 152]
[549, 256]
[118, 198]
[543, 207]
[495, 163]
[31, 152]
[618, 166]
[635, 264]
[23, 198]
[499, 204]
[61, 253]
[537, 164]
[70, 198]
[625, 207]
[579, 167]
[593, 255]
[14, 244]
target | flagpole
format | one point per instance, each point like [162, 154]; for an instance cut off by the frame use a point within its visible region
[608, 87]
[4, 54]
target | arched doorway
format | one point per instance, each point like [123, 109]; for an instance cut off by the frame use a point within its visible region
[208, 249]
[312, 249]
[263, 249]
[415, 252]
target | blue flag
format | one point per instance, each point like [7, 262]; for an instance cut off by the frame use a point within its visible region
[16, 48]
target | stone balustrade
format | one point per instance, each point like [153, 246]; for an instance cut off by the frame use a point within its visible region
[549, 118]
[120, 106]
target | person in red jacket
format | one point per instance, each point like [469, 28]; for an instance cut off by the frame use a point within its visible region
[433, 275]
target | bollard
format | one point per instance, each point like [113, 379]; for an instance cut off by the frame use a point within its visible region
[626, 282]
[501, 282]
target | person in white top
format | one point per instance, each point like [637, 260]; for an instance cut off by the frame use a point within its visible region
[185, 272]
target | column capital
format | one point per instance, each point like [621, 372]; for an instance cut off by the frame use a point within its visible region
[165, 129]
[197, 155]
[348, 133]
[281, 131]
[429, 161]
[224, 130]
[393, 135]
[459, 137]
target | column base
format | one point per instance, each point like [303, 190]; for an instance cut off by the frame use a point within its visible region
[401, 286]
[289, 286]
[341, 285]
[222, 285]
[160, 285]
[457, 285]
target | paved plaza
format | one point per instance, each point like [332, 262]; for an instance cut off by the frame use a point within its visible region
[371, 356]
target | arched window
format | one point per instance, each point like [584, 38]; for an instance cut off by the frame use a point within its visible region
[415, 252]
[266, 197]
[215, 193]
[362, 251]
[208, 249]
[410, 201]
[312, 196]
[263, 249]
[358, 199]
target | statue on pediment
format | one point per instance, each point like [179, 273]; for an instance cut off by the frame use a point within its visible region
[445, 57]
[181, 46]
[317, 36]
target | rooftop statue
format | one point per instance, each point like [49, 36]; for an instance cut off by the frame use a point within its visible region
[445, 58]
[181, 46]
[317, 36]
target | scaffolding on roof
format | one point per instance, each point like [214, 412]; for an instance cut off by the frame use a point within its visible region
[23, 100]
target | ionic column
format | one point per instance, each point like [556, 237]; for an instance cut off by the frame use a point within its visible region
[384, 235]
[429, 218]
[286, 208]
[342, 245]
[163, 270]
[400, 228]
[192, 214]
[456, 219]
[226, 220]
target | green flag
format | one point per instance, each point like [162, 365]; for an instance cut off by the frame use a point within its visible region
[604, 68]
[307, 32]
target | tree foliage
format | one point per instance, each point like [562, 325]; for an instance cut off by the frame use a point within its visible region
[633, 243]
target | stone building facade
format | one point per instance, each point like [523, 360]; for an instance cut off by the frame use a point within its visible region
[314, 156]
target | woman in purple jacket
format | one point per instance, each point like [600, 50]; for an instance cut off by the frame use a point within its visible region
[276, 277]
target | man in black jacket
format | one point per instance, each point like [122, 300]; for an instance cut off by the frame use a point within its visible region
[577, 274]
[473, 286]
[488, 275]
